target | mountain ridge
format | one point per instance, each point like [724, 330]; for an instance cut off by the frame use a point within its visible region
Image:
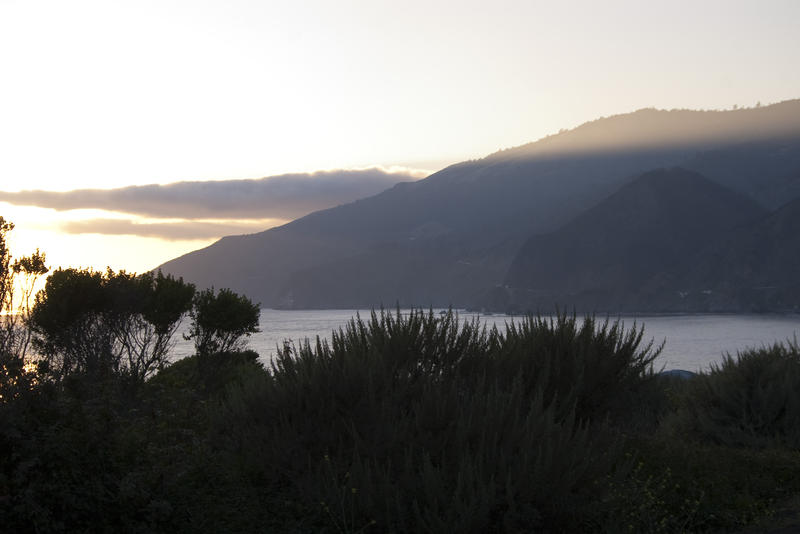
[616, 254]
[447, 238]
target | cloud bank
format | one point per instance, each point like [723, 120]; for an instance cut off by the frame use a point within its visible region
[286, 196]
[170, 231]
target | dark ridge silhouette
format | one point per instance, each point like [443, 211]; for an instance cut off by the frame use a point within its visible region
[614, 255]
[768, 171]
[755, 270]
[444, 240]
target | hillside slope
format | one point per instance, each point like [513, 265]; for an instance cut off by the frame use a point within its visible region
[756, 270]
[617, 254]
[443, 240]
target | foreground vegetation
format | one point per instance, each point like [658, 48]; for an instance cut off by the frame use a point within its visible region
[402, 423]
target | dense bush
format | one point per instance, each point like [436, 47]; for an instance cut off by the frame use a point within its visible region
[407, 423]
[678, 485]
[84, 465]
[80, 456]
[596, 368]
[87, 443]
[419, 423]
[751, 400]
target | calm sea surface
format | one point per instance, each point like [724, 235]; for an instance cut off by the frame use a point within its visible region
[693, 342]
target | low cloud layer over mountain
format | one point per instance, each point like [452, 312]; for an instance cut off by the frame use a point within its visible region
[207, 209]
[171, 231]
[286, 196]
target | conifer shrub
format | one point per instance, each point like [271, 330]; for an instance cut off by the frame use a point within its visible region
[422, 423]
[750, 400]
[596, 368]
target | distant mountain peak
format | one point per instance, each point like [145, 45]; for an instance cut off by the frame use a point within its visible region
[649, 227]
[649, 128]
[447, 238]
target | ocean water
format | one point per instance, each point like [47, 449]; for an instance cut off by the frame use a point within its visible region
[693, 342]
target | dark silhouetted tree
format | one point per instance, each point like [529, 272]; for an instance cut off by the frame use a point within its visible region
[14, 309]
[220, 321]
[107, 324]
[143, 313]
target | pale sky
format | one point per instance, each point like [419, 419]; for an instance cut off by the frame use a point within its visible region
[109, 94]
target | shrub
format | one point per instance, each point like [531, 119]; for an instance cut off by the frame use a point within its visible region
[78, 457]
[419, 423]
[751, 400]
[678, 485]
[80, 463]
[597, 369]
[212, 379]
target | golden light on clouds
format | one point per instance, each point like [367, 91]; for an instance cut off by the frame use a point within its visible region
[41, 228]
[139, 227]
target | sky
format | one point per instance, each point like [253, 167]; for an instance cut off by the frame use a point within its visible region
[144, 130]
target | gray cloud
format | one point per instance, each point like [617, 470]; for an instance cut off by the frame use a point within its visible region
[172, 231]
[287, 196]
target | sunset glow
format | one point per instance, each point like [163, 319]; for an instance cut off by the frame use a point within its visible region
[108, 95]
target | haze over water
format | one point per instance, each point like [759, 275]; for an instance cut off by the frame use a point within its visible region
[693, 342]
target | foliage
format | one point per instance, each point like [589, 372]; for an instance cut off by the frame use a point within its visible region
[106, 324]
[682, 486]
[402, 423]
[597, 369]
[87, 458]
[79, 457]
[750, 400]
[220, 370]
[431, 425]
[144, 312]
[220, 321]
[21, 273]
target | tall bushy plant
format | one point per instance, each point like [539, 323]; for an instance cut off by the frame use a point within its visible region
[418, 422]
[592, 367]
[749, 400]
